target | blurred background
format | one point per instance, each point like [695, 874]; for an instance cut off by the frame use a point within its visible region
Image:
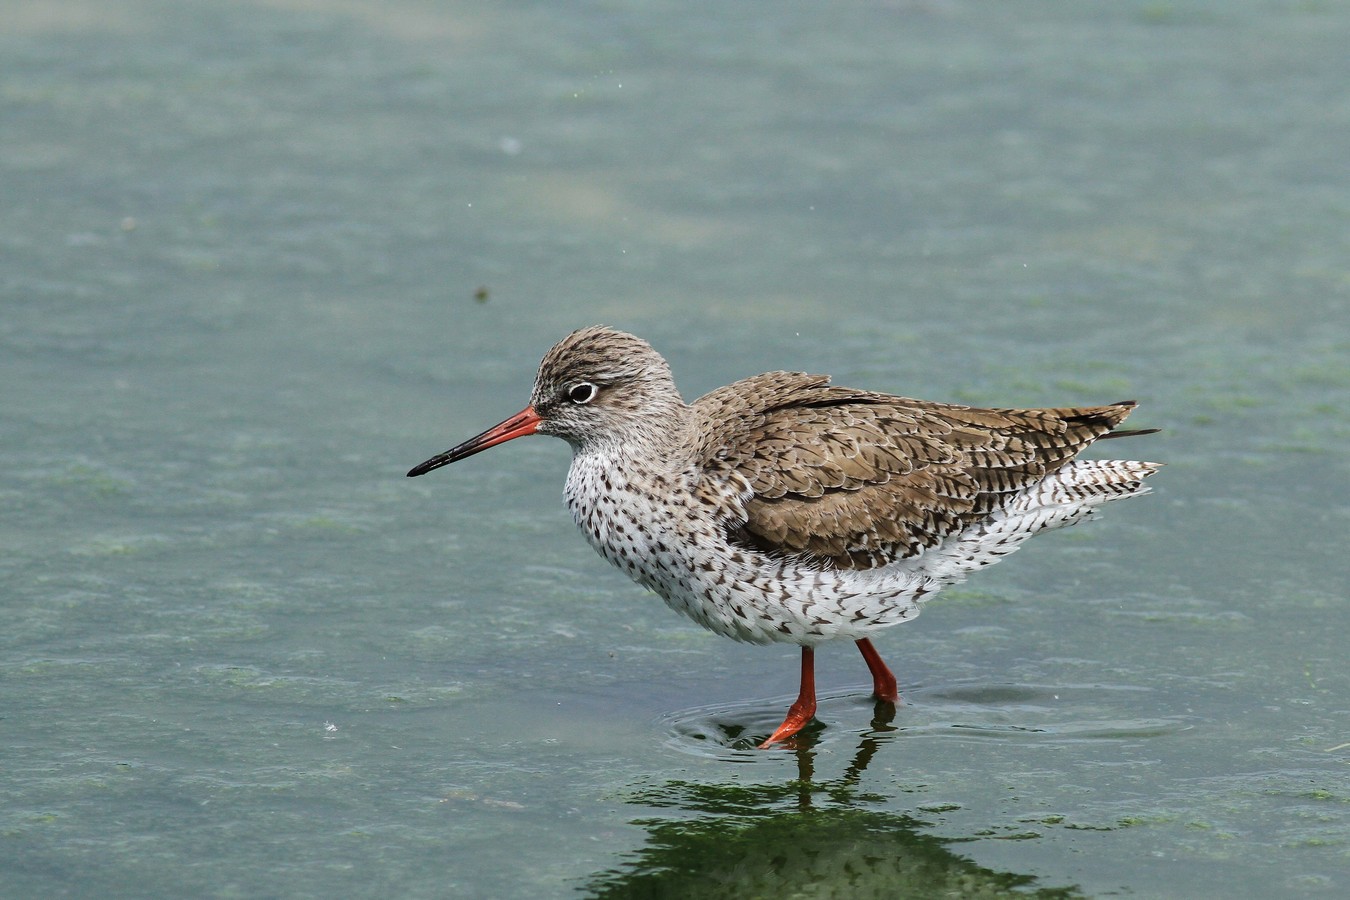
[257, 259]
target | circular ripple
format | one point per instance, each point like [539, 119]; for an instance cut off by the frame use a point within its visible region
[982, 710]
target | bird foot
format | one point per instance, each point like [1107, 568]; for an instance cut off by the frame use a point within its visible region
[798, 717]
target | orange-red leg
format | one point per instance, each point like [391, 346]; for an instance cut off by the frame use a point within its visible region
[804, 710]
[883, 679]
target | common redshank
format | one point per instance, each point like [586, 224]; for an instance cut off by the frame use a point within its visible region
[783, 508]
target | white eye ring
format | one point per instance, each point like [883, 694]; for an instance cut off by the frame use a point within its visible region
[582, 392]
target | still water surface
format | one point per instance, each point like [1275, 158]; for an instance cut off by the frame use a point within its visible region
[260, 258]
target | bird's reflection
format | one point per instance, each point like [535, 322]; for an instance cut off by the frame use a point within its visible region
[804, 743]
[806, 837]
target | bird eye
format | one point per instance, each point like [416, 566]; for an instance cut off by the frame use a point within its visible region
[581, 393]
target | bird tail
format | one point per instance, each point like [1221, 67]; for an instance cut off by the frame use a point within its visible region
[1124, 407]
[1068, 495]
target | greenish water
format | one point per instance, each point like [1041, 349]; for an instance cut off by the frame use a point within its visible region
[260, 258]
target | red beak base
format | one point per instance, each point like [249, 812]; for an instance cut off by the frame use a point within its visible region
[522, 423]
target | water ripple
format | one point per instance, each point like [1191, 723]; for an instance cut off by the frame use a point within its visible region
[972, 710]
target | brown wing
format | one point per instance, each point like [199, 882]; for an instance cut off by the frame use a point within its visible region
[859, 479]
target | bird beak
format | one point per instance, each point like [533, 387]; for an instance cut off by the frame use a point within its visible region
[522, 423]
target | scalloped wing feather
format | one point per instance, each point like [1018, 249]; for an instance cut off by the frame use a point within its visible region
[858, 479]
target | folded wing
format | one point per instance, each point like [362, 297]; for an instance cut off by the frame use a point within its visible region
[859, 479]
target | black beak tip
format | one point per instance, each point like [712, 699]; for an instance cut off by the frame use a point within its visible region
[434, 463]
